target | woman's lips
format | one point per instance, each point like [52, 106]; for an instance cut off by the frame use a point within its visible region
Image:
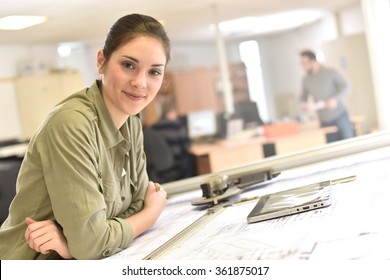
[134, 96]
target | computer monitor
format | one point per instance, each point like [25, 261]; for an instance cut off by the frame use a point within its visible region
[202, 124]
[247, 110]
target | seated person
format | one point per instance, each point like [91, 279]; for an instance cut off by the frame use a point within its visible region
[172, 129]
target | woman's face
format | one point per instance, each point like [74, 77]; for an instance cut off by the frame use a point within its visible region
[132, 76]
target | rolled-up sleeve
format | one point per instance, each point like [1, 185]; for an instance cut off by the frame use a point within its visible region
[70, 155]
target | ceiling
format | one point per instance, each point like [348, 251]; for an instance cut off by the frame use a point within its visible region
[89, 20]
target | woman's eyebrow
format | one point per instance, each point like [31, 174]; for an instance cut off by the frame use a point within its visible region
[131, 58]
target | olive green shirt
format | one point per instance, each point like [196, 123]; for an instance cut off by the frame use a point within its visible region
[83, 173]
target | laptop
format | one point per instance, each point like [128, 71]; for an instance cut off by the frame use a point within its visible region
[293, 201]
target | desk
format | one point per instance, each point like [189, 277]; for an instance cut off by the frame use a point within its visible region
[345, 230]
[227, 154]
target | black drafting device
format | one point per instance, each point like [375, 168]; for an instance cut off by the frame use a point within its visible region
[218, 188]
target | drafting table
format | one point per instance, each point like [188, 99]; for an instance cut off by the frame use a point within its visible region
[354, 226]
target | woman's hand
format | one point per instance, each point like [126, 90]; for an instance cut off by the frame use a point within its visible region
[44, 236]
[155, 201]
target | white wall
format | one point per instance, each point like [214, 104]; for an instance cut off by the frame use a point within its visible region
[351, 21]
[82, 58]
[25, 59]
[377, 18]
[187, 56]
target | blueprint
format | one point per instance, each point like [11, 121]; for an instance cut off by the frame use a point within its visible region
[178, 215]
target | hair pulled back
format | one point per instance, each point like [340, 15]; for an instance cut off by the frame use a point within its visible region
[130, 27]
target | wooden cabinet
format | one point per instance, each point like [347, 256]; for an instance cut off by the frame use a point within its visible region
[239, 82]
[38, 94]
[195, 90]
[198, 89]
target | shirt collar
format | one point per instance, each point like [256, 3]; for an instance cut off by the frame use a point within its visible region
[111, 135]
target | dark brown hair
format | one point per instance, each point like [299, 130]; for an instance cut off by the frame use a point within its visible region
[309, 54]
[130, 27]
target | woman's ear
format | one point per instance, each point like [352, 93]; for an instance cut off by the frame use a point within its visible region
[100, 61]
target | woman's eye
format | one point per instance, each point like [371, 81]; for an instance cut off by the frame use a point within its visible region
[127, 65]
[155, 72]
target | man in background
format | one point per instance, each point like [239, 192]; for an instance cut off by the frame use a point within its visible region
[329, 90]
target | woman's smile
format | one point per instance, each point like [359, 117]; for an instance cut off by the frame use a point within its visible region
[134, 96]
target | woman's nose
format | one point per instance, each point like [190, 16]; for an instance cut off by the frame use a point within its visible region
[139, 80]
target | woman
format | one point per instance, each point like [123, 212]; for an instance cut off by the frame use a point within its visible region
[83, 190]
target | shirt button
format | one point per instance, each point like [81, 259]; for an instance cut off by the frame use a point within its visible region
[123, 198]
[107, 252]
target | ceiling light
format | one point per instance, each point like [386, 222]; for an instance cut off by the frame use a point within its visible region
[272, 22]
[64, 50]
[20, 22]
